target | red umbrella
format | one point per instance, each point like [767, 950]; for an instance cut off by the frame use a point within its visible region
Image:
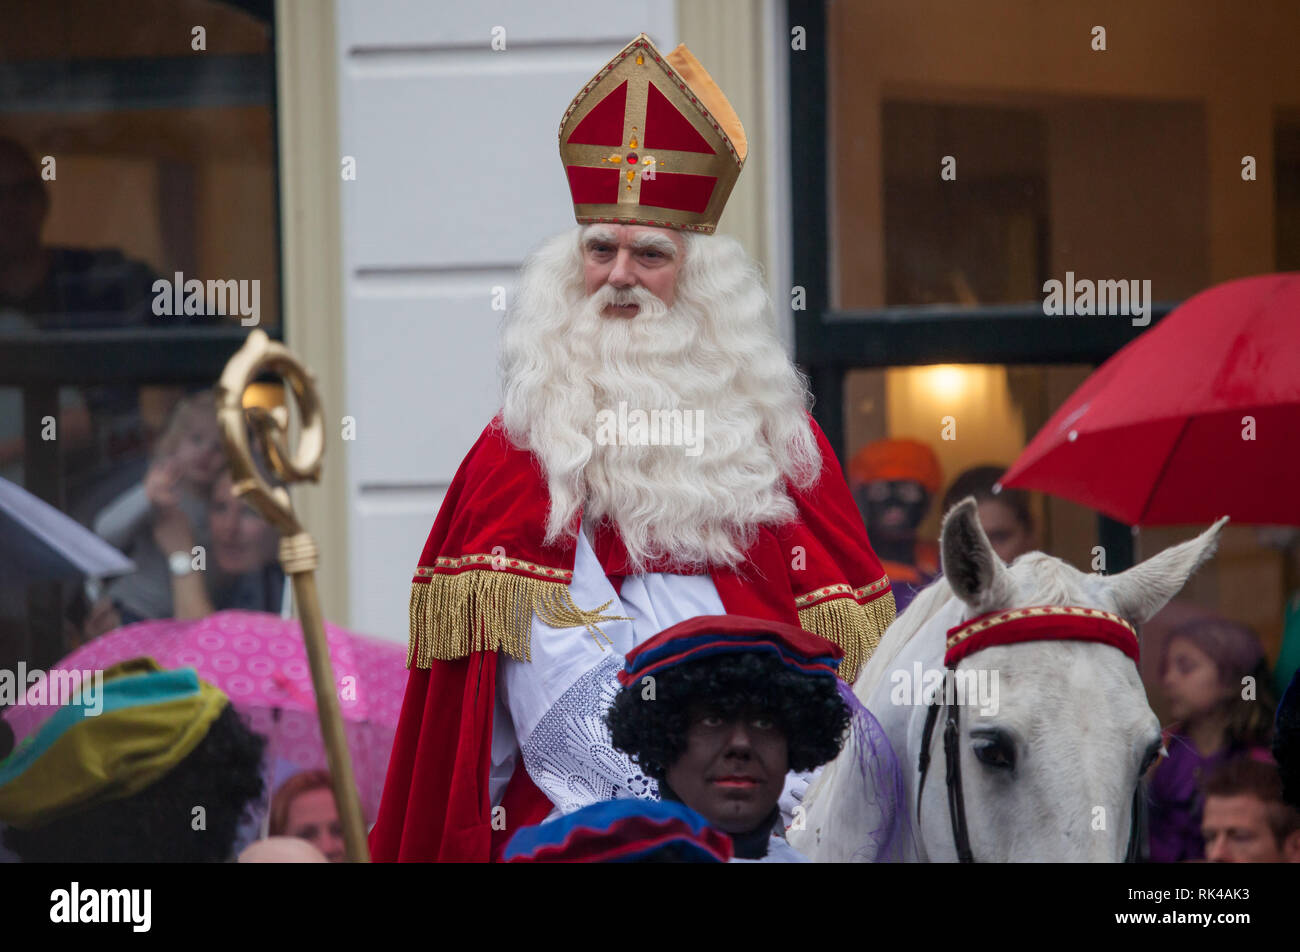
[1198, 417]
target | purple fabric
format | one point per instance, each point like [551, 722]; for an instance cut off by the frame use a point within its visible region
[1174, 817]
[904, 592]
[903, 595]
[882, 783]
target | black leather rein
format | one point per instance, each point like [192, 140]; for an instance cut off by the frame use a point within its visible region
[956, 803]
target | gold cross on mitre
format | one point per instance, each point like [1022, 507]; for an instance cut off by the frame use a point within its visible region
[651, 140]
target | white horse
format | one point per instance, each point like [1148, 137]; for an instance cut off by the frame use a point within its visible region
[1050, 748]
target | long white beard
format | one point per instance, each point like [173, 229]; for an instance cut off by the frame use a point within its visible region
[714, 356]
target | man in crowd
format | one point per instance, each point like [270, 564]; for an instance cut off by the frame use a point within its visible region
[893, 482]
[46, 288]
[1245, 819]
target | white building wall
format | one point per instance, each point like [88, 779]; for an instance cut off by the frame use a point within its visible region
[458, 177]
[776, 163]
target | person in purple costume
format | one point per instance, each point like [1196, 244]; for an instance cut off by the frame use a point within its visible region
[1215, 678]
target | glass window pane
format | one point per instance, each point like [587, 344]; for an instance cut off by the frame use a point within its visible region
[138, 187]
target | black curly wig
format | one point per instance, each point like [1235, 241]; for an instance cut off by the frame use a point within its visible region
[808, 709]
[223, 774]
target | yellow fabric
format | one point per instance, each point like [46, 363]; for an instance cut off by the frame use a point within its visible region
[708, 93]
[857, 628]
[111, 756]
[454, 615]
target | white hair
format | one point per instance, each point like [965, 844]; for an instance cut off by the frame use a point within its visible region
[715, 351]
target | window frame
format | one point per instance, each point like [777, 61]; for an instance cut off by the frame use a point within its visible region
[829, 342]
[38, 363]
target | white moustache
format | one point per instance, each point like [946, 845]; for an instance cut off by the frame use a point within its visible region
[610, 296]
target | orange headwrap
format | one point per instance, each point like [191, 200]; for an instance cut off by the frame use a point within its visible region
[897, 459]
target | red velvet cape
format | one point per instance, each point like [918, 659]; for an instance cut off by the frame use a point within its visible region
[482, 575]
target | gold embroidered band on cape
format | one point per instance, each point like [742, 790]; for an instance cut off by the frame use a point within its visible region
[489, 610]
[856, 626]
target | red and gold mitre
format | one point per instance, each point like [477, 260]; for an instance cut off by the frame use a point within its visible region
[651, 140]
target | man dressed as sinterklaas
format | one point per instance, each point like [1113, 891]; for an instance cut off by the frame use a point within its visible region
[653, 460]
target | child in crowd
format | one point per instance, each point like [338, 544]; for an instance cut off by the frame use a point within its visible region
[1214, 675]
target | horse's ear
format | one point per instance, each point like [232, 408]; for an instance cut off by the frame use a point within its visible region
[1143, 590]
[970, 565]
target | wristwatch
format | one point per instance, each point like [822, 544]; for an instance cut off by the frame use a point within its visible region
[180, 564]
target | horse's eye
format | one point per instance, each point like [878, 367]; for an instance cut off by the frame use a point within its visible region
[994, 750]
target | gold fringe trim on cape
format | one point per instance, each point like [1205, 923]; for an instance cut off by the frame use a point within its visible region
[855, 627]
[486, 610]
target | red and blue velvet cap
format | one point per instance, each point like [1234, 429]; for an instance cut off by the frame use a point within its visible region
[705, 636]
[621, 831]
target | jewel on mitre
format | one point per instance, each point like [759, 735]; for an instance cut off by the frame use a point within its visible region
[651, 140]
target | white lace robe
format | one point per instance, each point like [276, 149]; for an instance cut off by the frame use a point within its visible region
[552, 708]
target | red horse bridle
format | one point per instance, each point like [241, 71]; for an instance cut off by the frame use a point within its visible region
[1018, 625]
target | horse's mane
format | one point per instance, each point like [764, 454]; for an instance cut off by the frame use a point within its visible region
[927, 603]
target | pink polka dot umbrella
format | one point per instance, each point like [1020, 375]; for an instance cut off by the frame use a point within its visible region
[259, 660]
